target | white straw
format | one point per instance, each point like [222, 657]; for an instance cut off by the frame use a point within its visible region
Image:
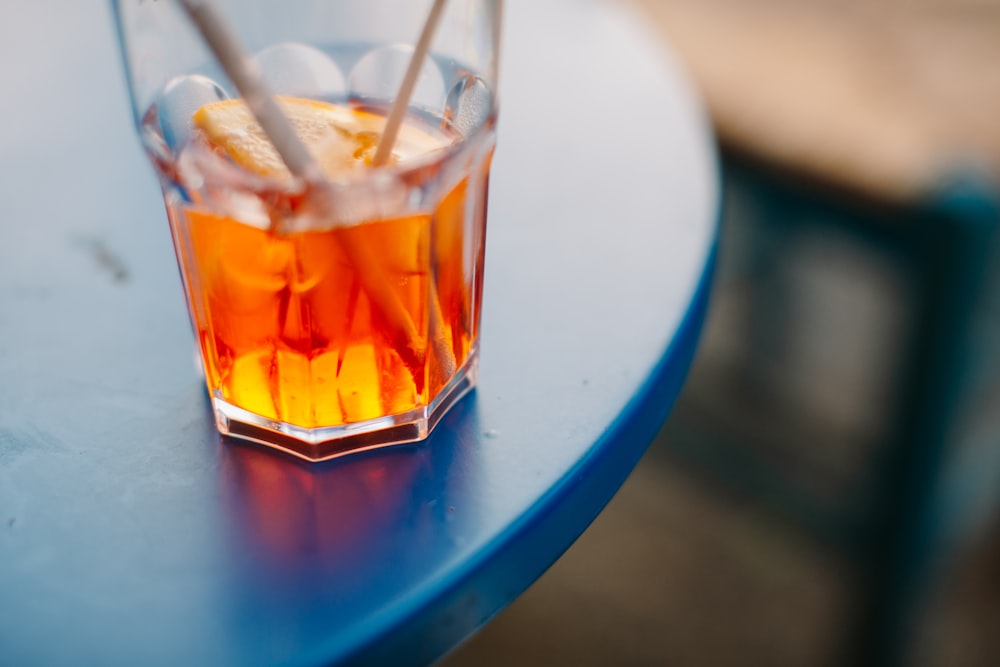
[402, 101]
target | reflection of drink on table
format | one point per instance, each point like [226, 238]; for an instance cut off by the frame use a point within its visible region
[364, 311]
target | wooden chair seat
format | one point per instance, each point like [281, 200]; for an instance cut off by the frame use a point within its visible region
[881, 97]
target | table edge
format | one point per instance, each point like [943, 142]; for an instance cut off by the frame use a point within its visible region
[435, 622]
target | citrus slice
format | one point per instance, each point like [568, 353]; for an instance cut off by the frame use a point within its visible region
[340, 138]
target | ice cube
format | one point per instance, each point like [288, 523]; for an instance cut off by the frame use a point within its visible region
[379, 73]
[177, 102]
[468, 104]
[301, 71]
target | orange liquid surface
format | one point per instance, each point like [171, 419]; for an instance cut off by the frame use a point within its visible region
[336, 326]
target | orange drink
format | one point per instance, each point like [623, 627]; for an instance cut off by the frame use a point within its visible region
[321, 325]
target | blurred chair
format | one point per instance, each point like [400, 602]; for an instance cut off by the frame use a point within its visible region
[844, 124]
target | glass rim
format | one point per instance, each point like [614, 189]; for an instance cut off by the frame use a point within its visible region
[225, 170]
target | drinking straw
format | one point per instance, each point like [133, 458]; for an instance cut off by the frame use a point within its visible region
[383, 152]
[402, 101]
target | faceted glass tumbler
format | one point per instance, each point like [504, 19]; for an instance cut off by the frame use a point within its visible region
[335, 324]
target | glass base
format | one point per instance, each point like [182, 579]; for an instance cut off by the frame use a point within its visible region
[321, 444]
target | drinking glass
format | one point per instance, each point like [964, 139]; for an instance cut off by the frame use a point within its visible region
[325, 327]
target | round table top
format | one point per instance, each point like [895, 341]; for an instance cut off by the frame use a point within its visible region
[131, 533]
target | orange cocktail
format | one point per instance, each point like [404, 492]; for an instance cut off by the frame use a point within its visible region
[329, 324]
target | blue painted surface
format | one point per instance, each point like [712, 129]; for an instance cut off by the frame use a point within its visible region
[130, 533]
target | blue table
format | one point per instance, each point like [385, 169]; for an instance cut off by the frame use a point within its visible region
[130, 533]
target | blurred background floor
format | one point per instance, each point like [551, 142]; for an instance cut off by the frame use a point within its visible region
[874, 101]
[676, 572]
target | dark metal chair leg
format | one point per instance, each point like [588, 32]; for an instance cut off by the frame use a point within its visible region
[951, 250]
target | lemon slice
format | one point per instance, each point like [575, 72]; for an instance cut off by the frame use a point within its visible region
[340, 138]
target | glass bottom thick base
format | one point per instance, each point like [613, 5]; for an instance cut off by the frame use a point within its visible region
[321, 444]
